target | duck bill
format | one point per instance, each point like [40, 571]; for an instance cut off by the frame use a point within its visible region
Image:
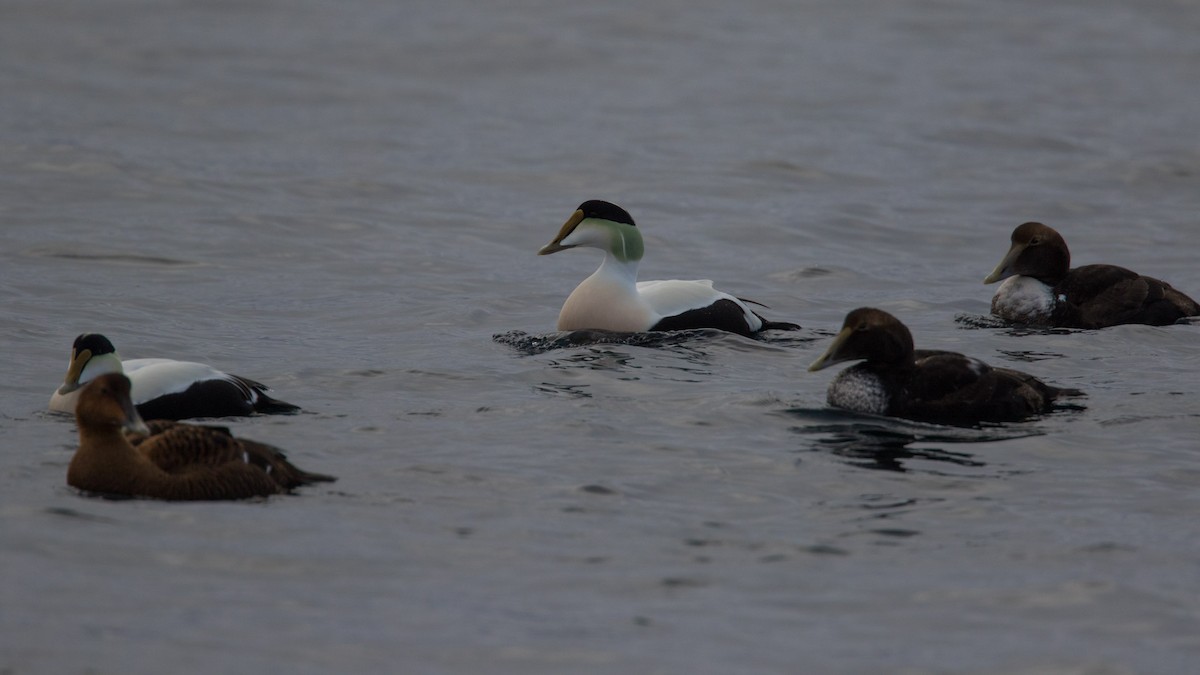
[1004, 269]
[831, 355]
[563, 232]
[74, 370]
[133, 420]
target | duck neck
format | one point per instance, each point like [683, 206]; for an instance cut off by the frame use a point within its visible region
[620, 271]
[100, 365]
[106, 435]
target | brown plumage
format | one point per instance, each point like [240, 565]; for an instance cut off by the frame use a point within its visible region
[926, 385]
[1091, 296]
[120, 455]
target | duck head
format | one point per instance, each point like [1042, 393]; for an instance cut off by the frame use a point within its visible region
[1037, 251]
[603, 225]
[871, 334]
[105, 404]
[93, 353]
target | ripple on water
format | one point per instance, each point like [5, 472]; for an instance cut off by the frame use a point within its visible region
[976, 321]
[129, 259]
[544, 342]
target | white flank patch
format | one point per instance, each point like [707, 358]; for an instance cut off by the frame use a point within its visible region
[152, 378]
[670, 297]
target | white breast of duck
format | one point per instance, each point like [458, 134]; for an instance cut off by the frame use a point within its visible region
[608, 300]
[612, 301]
[1023, 299]
[860, 390]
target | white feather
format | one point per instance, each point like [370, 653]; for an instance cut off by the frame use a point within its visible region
[152, 378]
[1023, 299]
[612, 299]
[675, 296]
[858, 390]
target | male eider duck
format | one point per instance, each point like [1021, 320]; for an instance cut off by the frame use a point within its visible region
[165, 389]
[169, 460]
[927, 386]
[613, 299]
[1042, 289]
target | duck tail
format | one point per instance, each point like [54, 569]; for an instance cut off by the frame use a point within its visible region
[273, 406]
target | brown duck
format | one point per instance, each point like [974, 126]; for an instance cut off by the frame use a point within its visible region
[120, 455]
[1041, 288]
[941, 387]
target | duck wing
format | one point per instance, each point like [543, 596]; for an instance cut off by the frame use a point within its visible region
[696, 304]
[946, 387]
[169, 389]
[176, 447]
[1107, 295]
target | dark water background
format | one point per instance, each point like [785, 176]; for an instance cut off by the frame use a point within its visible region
[344, 201]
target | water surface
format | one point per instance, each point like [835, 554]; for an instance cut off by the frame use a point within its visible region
[345, 200]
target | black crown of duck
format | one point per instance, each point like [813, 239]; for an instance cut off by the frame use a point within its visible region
[612, 298]
[164, 388]
[941, 387]
[119, 455]
[1041, 288]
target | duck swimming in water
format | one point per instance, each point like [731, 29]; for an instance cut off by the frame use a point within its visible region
[613, 299]
[941, 387]
[1042, 289]
[119, 455]
[163, 388]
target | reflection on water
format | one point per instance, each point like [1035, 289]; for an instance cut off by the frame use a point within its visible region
[1030, 357]
[568, 390]
[883, 449]
[597, 359]
[979, 321]
[1013, 330]
[884, 443]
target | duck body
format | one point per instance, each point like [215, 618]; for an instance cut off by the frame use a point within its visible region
[940, 387]
[119, 455]
[1041, 288]
[165, 388]
[613, 299]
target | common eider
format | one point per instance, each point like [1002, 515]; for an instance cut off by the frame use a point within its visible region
[119, 455]
[163, 388]
[928, 386]
[1042, 289]
[613, 299]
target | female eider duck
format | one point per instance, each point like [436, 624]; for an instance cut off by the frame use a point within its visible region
[613, 299]
[1042, 289]
[927, 386]
[165, 389]
[169, 460]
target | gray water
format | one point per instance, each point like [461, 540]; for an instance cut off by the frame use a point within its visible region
[344, 200]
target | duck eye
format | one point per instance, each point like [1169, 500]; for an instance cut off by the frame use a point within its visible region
[1035, 241]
